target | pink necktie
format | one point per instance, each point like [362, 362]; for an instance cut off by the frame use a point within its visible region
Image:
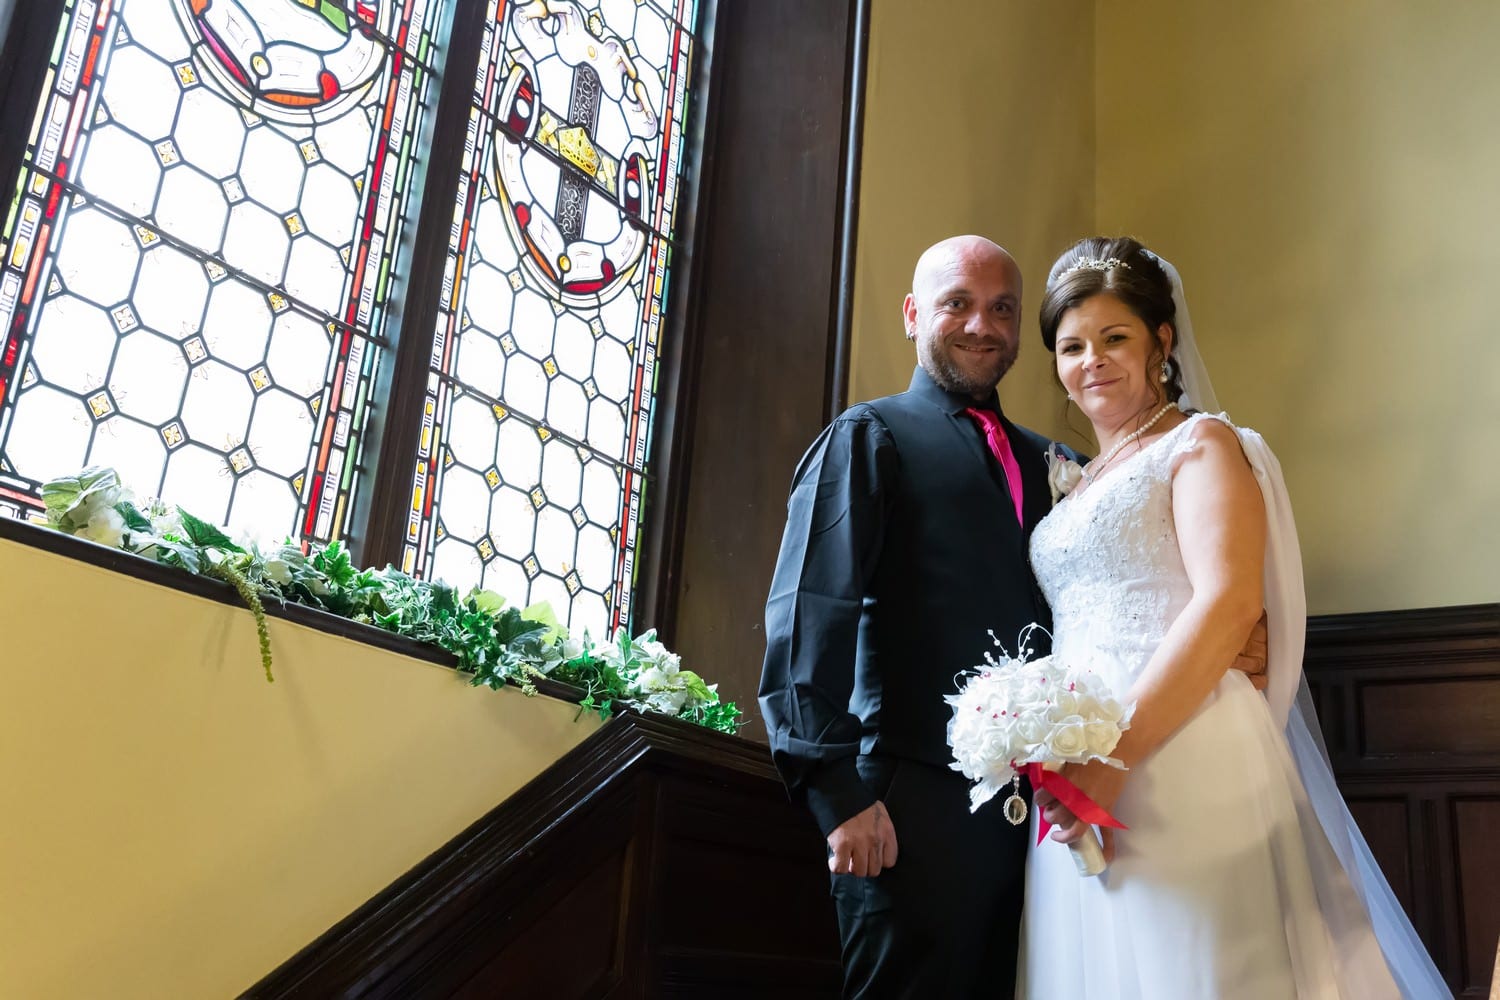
[999, 444]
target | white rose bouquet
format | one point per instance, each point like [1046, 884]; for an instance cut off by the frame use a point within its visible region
[1015, 716]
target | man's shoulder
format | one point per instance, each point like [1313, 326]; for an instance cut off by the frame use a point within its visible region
[859, 430]
[875, 414]
[860, 417]
[883, 409]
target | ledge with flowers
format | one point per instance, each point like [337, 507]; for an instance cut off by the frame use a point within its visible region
[494, 642]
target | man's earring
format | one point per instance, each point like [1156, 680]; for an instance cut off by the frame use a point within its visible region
[1166, 372]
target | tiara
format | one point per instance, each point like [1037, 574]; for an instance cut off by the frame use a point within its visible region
[1095, 264]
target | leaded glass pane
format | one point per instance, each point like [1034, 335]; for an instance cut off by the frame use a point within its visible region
[196, 267]
[534, 456]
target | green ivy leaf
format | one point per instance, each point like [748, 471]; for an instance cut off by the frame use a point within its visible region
[721, 715]
[334, 563]
[541, 612]
[181, 554]
[444, 599]
[511, 626]
[205, 535]
[487, 601]
[134, 519]
[695, 684]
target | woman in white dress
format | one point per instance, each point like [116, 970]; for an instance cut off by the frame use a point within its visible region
[1241, 874]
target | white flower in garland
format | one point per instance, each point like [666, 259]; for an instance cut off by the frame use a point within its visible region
[571, 648]
[72, 502]
[655, 676]
[105, 526]
[165, 521]
[278, 571]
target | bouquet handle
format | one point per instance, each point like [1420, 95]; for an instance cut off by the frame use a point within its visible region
[1088, 854]
[1087, 851]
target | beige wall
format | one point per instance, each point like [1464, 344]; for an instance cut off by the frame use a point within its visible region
[1324, 176]
[173, 826]
[978, 118]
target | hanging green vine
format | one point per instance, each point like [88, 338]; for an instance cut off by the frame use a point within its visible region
[229, 572]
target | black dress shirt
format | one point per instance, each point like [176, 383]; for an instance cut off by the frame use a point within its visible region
[901, 551]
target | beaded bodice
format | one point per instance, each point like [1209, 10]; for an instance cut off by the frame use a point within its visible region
[1108, 562]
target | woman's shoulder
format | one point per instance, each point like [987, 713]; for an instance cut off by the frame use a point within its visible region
[1204, 434]
[1215, 447]
[1211, 425]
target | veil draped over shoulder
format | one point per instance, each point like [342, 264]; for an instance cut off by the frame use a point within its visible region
[1288, 694]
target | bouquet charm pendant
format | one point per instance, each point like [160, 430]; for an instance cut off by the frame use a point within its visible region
[1015, 806]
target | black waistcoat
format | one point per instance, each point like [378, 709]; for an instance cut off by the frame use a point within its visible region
[953, 567]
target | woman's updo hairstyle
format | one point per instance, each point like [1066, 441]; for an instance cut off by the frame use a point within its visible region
[1122, 267]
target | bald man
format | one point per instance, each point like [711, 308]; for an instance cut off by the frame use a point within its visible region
[905, 544]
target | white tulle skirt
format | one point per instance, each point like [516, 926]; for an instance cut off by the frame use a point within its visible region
[1224, 887]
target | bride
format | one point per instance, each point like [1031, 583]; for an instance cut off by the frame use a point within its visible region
[1241, 874]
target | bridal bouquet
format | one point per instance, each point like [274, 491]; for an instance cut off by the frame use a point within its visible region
[1016, 716]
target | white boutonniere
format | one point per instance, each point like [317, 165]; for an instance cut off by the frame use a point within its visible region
[1062, 472]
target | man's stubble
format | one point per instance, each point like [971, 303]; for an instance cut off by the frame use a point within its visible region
[948, 375]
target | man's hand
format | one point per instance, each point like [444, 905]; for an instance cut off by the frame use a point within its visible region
[863, 844]
[1252, 659]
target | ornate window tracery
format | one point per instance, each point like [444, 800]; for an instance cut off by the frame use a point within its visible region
[533, 467]
[197, 274]
[199, 270]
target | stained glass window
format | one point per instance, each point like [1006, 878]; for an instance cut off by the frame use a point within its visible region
[198, 258]
[533, 461]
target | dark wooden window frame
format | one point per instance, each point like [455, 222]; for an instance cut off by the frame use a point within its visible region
[375, 528]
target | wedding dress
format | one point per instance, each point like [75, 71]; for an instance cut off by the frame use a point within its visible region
[1226, 884]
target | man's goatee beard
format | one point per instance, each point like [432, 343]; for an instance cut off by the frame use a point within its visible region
[951, 378]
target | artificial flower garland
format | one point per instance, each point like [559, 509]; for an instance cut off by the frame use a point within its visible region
[494, 642]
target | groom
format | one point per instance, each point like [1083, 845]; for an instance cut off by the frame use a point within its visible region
[905, 544]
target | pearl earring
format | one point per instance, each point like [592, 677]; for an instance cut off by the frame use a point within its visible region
[1166, 372]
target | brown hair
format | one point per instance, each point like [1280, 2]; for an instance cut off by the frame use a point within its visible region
[1135, 278]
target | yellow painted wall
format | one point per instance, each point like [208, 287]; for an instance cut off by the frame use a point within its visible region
[978, 118]
[1325, 177]
[173, 826]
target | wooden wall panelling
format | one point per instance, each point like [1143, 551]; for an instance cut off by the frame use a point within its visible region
[657, 859]
[639, 942]
[574, 945]
[1386, 823]
[1410, 707]
[1476, 830]
[766, 291]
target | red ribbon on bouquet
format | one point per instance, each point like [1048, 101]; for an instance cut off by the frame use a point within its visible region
[1069, 795]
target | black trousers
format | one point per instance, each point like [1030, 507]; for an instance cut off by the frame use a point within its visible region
[943, 922]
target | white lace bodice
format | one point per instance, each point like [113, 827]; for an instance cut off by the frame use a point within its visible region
[1108, 562]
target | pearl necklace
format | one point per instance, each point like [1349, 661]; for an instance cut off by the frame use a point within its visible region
[1092, 470]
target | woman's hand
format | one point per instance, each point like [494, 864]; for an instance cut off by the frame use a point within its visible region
[1099, 782]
